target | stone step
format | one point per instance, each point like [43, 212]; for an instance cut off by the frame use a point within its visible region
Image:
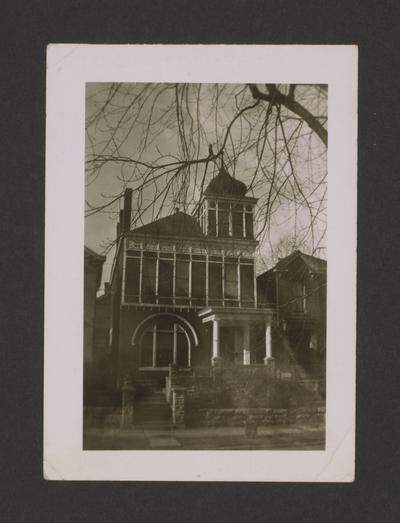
[145, 411]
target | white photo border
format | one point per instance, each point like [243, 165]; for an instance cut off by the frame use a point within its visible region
[69, 68]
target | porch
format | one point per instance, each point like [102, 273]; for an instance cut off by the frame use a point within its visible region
[241, 336]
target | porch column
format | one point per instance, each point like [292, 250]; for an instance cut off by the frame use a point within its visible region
[215, 343]
[268, 343]
[246, 345]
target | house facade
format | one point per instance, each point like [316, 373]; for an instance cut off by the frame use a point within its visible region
[184, 290]
[189, 329]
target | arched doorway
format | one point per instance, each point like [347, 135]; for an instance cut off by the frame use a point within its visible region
[163, 339]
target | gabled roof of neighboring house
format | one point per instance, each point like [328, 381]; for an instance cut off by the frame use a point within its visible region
[313, 264]
[178, 224]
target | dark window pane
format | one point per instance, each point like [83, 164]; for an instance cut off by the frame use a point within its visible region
[211, 223]
[215, 281]
[132, 275]
[231, 281]
[149, 254]
[148, 280]
[237, 223]
[131, 252]
[198, 281]
[223, 206]
[147, 350]
[182, 278]
[165, 349]
[230, 259]
[183, 257]
[246, 282]
[246, 260]
[198, 257]
[215, 258]
[182, 350]
[223, 223]
[167, 255]
[237, 208]
[249, 226]
[165, 278]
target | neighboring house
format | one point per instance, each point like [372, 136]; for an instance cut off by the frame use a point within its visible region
[183, 289]
[297, 287]
[93, 267]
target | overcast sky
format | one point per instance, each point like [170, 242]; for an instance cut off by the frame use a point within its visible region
[120, 131]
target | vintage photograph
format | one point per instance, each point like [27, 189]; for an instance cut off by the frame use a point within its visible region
[205, 272]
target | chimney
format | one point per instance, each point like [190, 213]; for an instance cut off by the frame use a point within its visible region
[119, 223]
[126, 221]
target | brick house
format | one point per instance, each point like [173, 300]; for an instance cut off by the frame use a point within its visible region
[183, 288]
[190, 325]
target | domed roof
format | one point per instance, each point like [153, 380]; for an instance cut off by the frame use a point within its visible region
[225, 184]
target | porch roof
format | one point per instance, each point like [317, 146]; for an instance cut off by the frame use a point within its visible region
[236, 316]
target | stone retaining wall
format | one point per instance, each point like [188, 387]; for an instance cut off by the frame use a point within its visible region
[259, 416]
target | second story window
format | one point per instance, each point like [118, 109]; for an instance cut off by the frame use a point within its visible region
[215, 280]
[231, 283]
[163, 277]
[165, 280]
[149, 268]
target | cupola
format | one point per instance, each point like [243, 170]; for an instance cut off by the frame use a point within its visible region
[225, 210]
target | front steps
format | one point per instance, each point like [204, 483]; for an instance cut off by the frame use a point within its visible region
[152, 410]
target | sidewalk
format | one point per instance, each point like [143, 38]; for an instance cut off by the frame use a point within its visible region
[273, 437]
